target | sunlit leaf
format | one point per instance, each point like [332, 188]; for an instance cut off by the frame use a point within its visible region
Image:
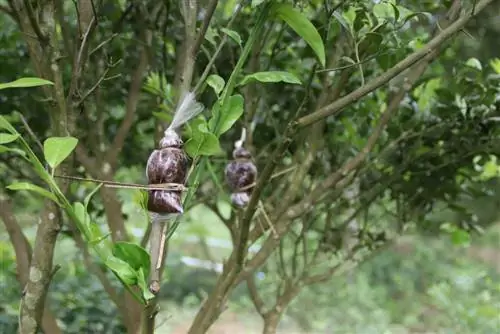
[495, 63]
[56, 149]
[271, 76]
[303, 27]
[26, 82]
[216, 82]
[460, 237]
[490, 169]
[34, 188]
[474, 63]
[6, 138]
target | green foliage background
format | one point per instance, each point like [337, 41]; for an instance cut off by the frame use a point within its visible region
[433, 170]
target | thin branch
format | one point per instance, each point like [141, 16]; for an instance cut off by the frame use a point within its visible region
[212, 60]
[254, 295]
[34, 24]
[6, 10]
[337, 106]
[206, 23]
[30, 131]
[351, 165]
[79, 62]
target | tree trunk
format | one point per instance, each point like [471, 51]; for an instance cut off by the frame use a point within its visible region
[271, 322]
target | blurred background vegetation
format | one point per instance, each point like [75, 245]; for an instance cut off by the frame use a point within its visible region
[436, 212]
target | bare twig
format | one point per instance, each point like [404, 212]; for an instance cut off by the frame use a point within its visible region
[30, 131]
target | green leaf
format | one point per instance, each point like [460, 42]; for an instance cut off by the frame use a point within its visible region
[34, 188]
[474, 63]
[202, 141]
[26, 82]
[495, 64]
[56, 149]
[207, 145]
[255, 3]
[303, 27]
[87, 199]
[84, 219]
[6, 138]
[216, 82]
[4, 124]
[460, 237]
[133, 254]
[141, 282]
[228, 114]
[8, 149]
[122, 269]
[383, 10]
[233, 34]
[396, 11]
[271, 76]
[210, 36]
[490, 169]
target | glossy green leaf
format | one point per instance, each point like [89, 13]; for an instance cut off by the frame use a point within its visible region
[6, 138]
[122, 269]
[202, 141]
[474, 63]
[34, 188]
[216, 82]
[4, 124]
[233, 34]
[133, 254]
[303, 27]
[25, 82]
[56, 149]
[271, 76]
[141, 282]
[228, 114]
[207, 144]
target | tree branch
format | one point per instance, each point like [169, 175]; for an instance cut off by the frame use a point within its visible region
[254, 295]
[409, 80]
[34, 24]
[206, 23]
[22, 249]
[337, 106]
